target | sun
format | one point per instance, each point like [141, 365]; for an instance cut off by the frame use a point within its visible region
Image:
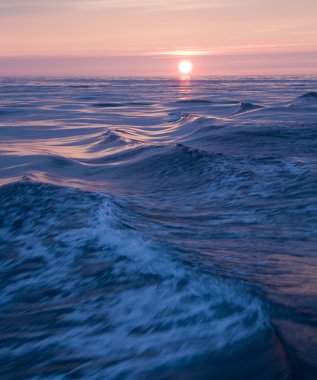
[185, 67]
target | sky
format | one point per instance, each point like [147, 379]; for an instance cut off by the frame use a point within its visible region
[149, 37]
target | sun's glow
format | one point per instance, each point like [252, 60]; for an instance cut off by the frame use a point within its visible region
[184, 53]
[185, 67]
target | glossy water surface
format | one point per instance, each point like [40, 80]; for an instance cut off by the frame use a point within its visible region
[161, 228]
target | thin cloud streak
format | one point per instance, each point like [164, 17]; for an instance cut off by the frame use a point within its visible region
[164, 28]
[138, 4]
[183, 53]
[271, 48]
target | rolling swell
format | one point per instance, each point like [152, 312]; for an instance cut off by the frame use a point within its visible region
[164, 229]
[309, 100]
[309, 96]
[247, 107]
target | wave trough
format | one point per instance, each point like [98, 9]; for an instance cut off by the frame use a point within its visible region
[158, 228]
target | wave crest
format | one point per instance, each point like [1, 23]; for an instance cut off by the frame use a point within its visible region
[136, 305]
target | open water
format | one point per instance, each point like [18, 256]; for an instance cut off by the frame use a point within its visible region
[158, 228]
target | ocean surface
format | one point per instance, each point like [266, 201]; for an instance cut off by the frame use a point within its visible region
[158, 229]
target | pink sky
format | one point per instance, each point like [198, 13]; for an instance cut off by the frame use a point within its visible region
[124, 37]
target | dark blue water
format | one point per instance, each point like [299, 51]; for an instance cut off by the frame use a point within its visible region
[158, 228]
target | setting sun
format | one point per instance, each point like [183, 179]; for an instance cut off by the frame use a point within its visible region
[185, 67]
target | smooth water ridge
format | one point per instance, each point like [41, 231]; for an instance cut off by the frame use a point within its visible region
[158, 229]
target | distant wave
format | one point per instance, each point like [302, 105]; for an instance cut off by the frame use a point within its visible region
[308, 99]
[120, 104]
[193, 101]
[310, 96]
[246, 107]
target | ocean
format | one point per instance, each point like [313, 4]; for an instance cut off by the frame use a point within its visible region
[158, 228]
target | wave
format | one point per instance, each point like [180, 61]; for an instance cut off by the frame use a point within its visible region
[195, 162]
[247, 107]
[139, 311]
[193, 101]
[307, 100]
[112, 138]
[163, 187]
[309, 96]
[121, 104]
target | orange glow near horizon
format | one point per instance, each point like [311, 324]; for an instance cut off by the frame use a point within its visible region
[224, 36]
